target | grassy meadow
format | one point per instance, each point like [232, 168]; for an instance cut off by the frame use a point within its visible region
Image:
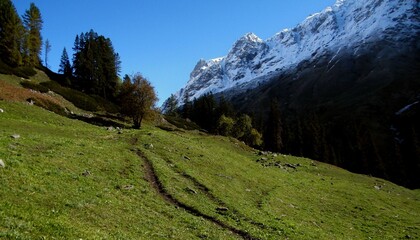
[66, 179]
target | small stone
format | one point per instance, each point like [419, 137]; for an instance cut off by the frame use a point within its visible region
[2, 165]
[86, 173]
[222, 209]
[110, 129]
[187, 158]
[378, 187]
[15, 136]
[128, 187]
[290, 165]
[190, 190]
[1, 110]
[148, 146]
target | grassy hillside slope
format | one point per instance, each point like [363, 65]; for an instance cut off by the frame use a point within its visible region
[66, 179]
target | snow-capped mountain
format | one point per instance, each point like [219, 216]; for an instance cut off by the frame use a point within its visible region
[347, 26]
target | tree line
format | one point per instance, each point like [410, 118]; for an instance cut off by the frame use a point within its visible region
[20, 38]
[216, 117]
[94, 68]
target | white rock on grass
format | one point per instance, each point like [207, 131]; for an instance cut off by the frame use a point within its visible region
[15, 136]
[2, 165]
[1, 110]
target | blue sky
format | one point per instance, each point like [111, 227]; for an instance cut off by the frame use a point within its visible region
[164, 39]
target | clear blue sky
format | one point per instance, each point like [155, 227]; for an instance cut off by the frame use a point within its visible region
[164, 39]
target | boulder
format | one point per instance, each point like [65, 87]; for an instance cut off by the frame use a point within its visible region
[15, 136]
[148, 146]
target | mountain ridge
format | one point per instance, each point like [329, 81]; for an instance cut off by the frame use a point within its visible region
[346, 24]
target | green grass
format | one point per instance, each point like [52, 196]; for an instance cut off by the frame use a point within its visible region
[313, 201]
[44, 193]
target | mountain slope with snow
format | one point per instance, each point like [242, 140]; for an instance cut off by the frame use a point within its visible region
[348, 25]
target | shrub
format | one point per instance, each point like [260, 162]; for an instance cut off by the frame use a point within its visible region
[24, 72]
[225, 125]
[46, 103]
[34, 86]
[79, 99]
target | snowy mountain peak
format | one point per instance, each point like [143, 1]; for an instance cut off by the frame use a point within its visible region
[347, 25]
[250, 37]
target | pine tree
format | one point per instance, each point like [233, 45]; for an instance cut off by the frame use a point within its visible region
[65, 67]
[187, 107]
[11, 31]
[96, 65]
[171, 105]
[33, 40]
[274, 128]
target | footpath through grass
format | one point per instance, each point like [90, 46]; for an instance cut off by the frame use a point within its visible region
[66, 179]
[69, 180]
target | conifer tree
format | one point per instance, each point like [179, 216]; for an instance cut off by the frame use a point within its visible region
[274, 128]
[171, 105]
[33, 40]
[65, 67]
[96, 65]
[11, 31]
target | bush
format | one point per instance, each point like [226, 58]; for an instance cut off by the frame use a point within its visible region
[106, 105]
[225, 125]
[24, 72]
[34, 86]
[49, 105]
[79, 99]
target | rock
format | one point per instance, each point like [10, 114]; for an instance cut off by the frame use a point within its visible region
[110, 129]
[190, 190]
[15, 136]
[2, 165]
[148, 146]
[290, 165]
[187, 158]
[30, 101]
[378, 187]
[120, 131]
[127, 187]
[222, 209]
[275, 155]
[86, 173]
[1, 110]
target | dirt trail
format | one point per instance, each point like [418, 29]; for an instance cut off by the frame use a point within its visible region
[154, 181]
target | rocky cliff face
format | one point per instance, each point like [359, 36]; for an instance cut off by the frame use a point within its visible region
[348, 25]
